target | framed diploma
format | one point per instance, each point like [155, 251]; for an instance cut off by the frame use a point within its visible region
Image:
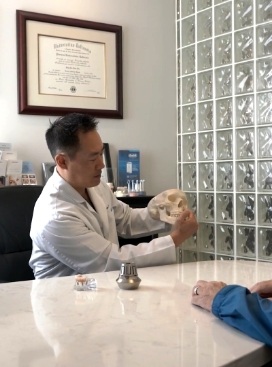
[68, 65]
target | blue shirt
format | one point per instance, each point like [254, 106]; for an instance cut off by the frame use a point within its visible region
[245, 311]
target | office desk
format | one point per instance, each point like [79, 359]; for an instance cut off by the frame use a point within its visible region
[46, 323]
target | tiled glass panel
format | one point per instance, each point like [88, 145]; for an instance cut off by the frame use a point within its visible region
[244, 77]
[224, 113]
[204, 54]
[205, 116]
[187, 7]
[245, 110]
[223, 49]
[263, 11]
[244, 45]
[204, 25]
[243, 13]
[225, 126]
[189, 118]
[188, 31]
[188, 60]
[264, 40]
[223, 18]
[223, 82]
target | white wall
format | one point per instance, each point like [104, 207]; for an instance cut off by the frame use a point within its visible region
[149, 122]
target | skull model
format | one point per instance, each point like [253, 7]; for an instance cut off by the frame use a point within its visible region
[167, 205]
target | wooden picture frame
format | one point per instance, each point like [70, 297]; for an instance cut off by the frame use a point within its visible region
[68, 65]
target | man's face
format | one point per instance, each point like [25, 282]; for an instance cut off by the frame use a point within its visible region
[84, 168]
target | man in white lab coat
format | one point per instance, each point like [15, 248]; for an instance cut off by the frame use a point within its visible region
[77, 219]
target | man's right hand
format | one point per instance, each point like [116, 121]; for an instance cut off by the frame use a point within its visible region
[185, 226]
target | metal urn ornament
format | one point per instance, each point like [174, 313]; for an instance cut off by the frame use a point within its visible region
[128, 278]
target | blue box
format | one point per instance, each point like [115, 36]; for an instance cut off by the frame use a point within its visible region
[128, 166]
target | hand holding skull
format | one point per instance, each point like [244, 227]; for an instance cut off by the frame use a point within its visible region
[185, 226]
[170, 206]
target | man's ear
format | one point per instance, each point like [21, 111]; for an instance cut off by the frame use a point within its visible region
[61, 160]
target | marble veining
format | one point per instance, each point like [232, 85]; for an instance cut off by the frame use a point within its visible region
[48, 323]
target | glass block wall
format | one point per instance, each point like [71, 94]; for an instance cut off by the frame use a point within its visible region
[224, 101]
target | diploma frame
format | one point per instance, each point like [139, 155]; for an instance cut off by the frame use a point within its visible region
[31, 101]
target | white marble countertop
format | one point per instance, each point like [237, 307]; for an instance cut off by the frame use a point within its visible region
[47, 323]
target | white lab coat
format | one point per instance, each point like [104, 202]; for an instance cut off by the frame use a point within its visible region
[70, 237]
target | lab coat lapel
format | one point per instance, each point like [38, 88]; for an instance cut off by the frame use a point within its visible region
[101, 211]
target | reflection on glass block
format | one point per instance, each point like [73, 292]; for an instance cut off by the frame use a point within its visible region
[224, 204]
[243, 10]
[189, 147]
[223, 50]
[178, 35]
[204, 25]
[192, 202]
[224, 144]
[203, 4]
[188, 31]
[264, 11]
[188, 256]
[188, 89]
[225, 238]
[179, 120]
[265, 142]
[205, 85]
[223, 82]
[187, 7]
[205, 146]
[244, 45]
[224, 113]
[245, 176]
[178, 8]
[190, 243]
[246, 244]
[179, 91]
[264, 40]
[264, 75]
[206, 237]
[189, 174]
[265, 209]
[188, 60]
[223, 18]
[244, 77]
[245, 143]
[205, 116]
[245, 208]
[265, 175]
[206, 176]
[206, 207]
[224, 176]
[179, 176]
[244, 110]
[189, 118]
[206, 256]
[224, 258]
[264, 108]
[265, 243]
[204, 55]
[179, 148]
[178, 63]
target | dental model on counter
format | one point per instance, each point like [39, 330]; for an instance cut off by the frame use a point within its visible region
[133, 188]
